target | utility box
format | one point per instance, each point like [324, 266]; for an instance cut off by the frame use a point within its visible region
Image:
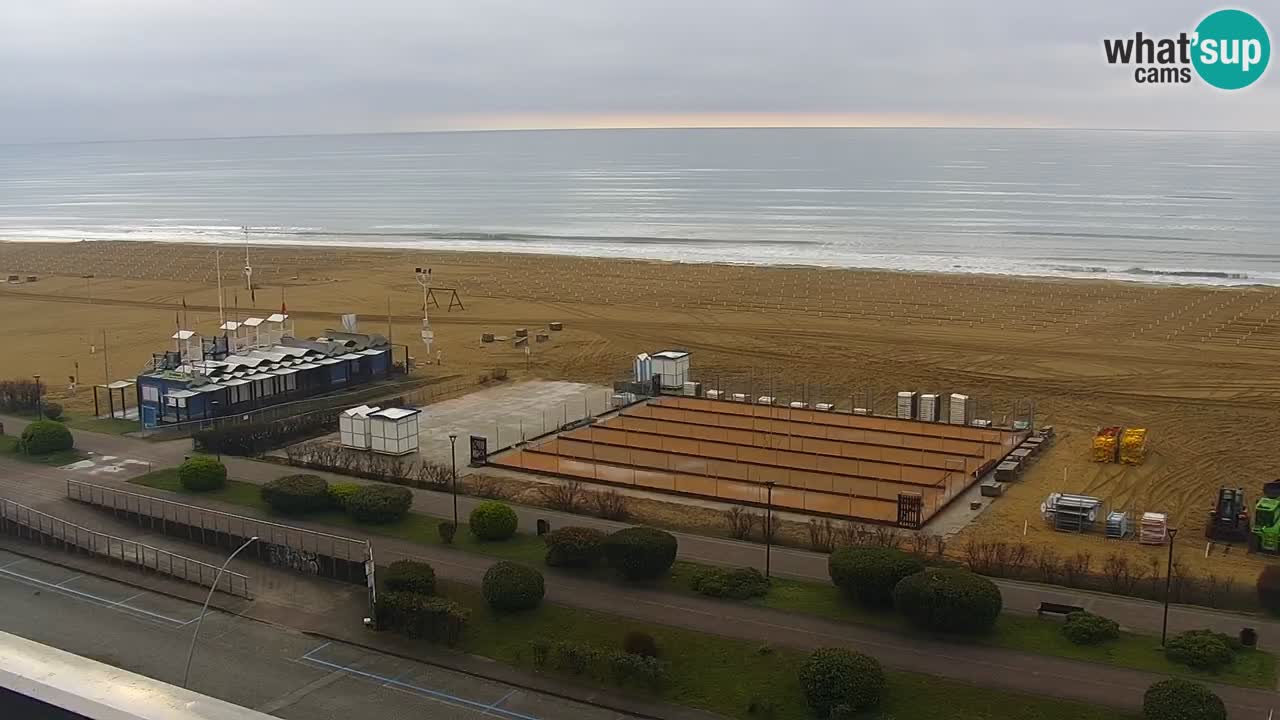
[394, 431]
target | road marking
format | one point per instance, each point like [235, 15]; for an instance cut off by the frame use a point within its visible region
[504, 698]
[90, 597]
[131, 597]
[64, 582]
[395, 684]
[11, 564]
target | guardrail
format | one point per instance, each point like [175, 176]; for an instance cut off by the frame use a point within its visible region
[22, 521]
[307, 551]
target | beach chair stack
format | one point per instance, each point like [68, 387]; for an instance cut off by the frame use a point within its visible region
[1153, 528]
[1106, 444]
[1133, 446]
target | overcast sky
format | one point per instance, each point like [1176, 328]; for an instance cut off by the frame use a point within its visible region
[86, 69]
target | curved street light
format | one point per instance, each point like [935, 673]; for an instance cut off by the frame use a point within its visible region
[192, 650]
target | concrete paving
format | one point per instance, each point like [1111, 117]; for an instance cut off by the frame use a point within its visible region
[269, 668]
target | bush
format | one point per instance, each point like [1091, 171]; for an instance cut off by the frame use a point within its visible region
[736, 583]
[447, 530]
[379, 503]
[869, 574]
[831, 677]
[1201, 649]
[296, 494]
[953, 601]
[492, 521]
[248, 439]
[509, 586]
[202, 472]
[410, 576]
[1178, 699]
[640, 553]
[42, 437]
[421, 616]
[1085, 628]
[53, 411]
[340, 493]
[601, 663]
[575, 547]
[640, 643]
[1269, 588]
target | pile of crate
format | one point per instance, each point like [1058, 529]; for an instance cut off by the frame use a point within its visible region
[1153, 528]
[1133, 446]
[1106, 444]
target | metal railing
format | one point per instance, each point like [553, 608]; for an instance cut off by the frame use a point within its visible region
[22, 521]
[307, 551]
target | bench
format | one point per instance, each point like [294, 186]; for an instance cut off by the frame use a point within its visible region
[1057, 609]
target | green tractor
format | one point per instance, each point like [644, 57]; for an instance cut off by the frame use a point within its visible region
[1266, 520]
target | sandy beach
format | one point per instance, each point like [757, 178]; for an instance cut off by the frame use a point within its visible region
[1194, 365]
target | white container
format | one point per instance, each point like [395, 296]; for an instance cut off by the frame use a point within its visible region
[353, 427]
[673, 367]
[643, 368]
[394, 431]
[961, 411]
[797, 405]
[928, 408]
[715, 394]
[861, 411]
[765, 400]
[739, 397]
[824, 407]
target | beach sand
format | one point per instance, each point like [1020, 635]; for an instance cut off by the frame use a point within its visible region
[1194, 365]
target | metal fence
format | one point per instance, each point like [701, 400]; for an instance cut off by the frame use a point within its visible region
[22, 521]
[306, 551]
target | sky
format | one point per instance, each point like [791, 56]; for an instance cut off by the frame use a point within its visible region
[138, 69]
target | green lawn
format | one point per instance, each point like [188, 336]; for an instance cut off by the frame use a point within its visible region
[9, 448]
[724, 675]
[1015, 632]
[106, 426]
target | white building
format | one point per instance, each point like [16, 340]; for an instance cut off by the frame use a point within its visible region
[353, 427]
[673, 367]
[394, 431]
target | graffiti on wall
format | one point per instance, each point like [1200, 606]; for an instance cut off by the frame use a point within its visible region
[299, 560]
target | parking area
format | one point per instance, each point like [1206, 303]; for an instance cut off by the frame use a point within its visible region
[270, 668]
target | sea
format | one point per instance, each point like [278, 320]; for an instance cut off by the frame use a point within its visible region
[1135, 205]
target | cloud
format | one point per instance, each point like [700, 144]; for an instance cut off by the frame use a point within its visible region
[89, 69]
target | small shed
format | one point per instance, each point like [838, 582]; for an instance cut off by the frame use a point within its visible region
[643, 368]
[353, 427]
[394, 431]
[673, 367]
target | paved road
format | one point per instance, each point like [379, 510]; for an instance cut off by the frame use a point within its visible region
[257, 665]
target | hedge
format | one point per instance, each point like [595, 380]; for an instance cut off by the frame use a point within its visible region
[200, 473]
[869, 574]
[410, 576]
[603, 664]
[421, 616]
[493, 521]
[296, 494]
[1178, 699]
[576, 547]
[834, 677]
[42, 437]
[1085, 628]
[733, 583]
[340, 493]
[952, 601]
[1202, 649]
[379, 503]
[255, 438]
[640, 643]
[510, 587]
[640, 553]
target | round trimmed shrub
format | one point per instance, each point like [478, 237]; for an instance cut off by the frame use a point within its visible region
[950, 601]
[509, 587]
[53, 410]
[296, 494]
[575, 547]
[735, 583]
[200, 473]
[1269, 588]
[493, 521]
[640, 553]
[410, 576]
[1085, 628]
[640, 643]
[1178, 699]
[42, 437]
[340, 493]
[379, 503]
[832, 677]
[869, 574]
[1201, 649]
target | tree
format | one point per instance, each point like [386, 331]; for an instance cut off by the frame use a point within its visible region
[202, 472]
[640, 553]
[510, 587]
[493, 521]
[953, 601]
[1178, 699]
[831, 677]
[869, 574]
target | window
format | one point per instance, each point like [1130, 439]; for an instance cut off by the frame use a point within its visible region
[150, 393]
[291, 381]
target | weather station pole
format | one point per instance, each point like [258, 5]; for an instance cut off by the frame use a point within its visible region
[186, 674]
[424, 279]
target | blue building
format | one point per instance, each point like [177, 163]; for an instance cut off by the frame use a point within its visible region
[232, 374]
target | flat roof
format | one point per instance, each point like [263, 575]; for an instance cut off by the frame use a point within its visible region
[671, 354]
[395, 413]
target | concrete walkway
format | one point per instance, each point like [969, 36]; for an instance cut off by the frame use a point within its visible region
[990, 667]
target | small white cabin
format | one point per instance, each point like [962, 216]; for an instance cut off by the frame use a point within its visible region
[394, 431]
[673, 367]
[353, 427]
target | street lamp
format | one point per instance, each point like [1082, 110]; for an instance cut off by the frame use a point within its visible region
[192, 650]
[768, 526]
[39, 409]
[453, 482]
[1168, 581]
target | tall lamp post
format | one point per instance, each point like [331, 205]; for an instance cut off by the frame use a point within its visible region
[39, 408]
[194, 636]
[768, 526]
[1168, 582]
[453, 479]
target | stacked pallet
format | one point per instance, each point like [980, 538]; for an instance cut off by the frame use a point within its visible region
[1106, 444]
[1118, 525]
[1133, 446]
[1153, 529]
[907, 403]
[961, 412]
[929, 407]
